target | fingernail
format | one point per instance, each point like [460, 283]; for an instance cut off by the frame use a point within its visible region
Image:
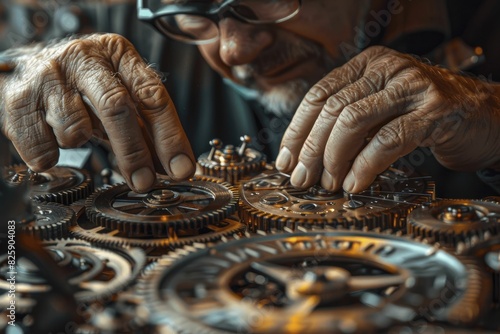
[327, 180]
[143, 179]
[181, 167]
[349, 182]
[284, 159]
[299, 175]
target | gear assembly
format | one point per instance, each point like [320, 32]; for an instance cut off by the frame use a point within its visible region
[238, 249]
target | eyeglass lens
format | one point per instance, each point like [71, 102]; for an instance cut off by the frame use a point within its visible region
[199, 28]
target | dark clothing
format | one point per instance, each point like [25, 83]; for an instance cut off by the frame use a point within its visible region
[209, 108]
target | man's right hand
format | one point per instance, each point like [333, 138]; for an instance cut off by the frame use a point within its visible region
[63, 94]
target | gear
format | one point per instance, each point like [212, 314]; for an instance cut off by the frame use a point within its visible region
[168, 207]
[270, 202]
[315, 282]
[59, 184]
[489, 252]
[232, 164]
[94, 273]
[52, 221]
[153, 246]
[451, 221]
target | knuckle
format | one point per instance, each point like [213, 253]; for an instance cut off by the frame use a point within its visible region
[333, 107]
[373, 82]
[154, 97]
[114, 105]
[40, 153]
[352, 117]
[317, 94]
[310, 150]
[389, 138]
[135, 154]
[293, 132]
[172, 139]
[74, 135]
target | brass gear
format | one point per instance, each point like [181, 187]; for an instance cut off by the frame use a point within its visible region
[232, 164]
[450, 221]
[269, 202]
[59, 184]
[51, 221]
[322, 282]
[168, 207]
[489, 253]
[94, 273]
[153, 246]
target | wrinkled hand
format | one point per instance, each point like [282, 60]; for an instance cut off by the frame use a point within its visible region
[63, 94]
[380, 106]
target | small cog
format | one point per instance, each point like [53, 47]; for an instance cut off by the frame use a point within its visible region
[270, 202]
[168, 207]
[59, 184]
[51, 221]
[450, 221]
[232, 164]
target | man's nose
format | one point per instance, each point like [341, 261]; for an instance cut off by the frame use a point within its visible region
[241, 43]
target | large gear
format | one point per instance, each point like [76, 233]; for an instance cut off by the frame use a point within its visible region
[450, 221]
[168, 207]
[269, 202]
[51, 221]
[232, 164]
[59, 184]
[94, 273]
[315, 282]
[489, 253]
[153, 246]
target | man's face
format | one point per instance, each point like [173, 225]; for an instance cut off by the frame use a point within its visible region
[282, 61]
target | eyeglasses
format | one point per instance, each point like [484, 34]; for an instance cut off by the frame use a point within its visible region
[197, 22]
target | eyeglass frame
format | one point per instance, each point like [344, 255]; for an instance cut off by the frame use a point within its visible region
[215, 13]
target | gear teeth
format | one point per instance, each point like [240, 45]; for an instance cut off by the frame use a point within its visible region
[59, 184]
[475, 300]
[465, 308]
[488, 251]
[432, 222]
[99, 208]
[52, 221]
[251, 164]
[268, 202]
[73, 253]
[98, 228]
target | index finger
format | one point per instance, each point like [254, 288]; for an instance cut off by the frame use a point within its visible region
[156, 109]
[311, 106]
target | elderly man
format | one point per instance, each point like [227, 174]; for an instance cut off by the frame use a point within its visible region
[356, 108]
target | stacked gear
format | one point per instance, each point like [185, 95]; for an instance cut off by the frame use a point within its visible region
[232, 164]
[269, 202]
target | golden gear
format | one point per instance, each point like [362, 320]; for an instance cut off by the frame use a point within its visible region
[450, 221]
[168, 207]
[269, 202]
[316, 282]
[232, 164]
[63, 185]
[154, 246]
[51, 221]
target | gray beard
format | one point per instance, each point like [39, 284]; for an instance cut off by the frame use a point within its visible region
[284, 99]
